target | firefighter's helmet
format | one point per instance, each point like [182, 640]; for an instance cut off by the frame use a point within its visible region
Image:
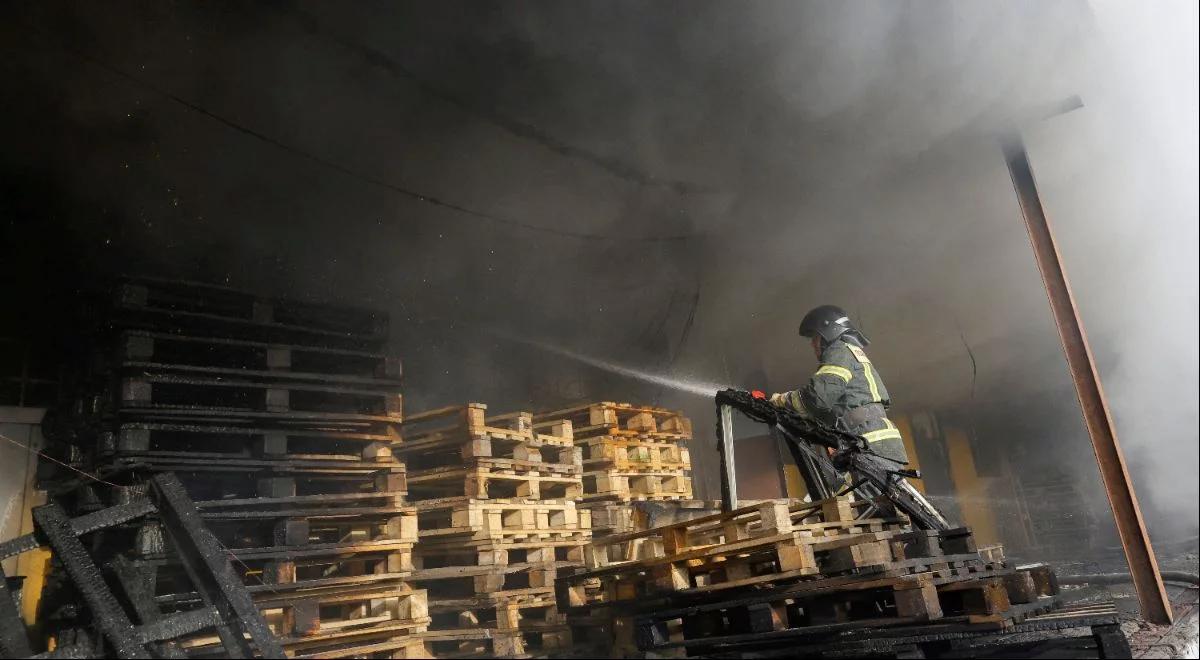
[829, 322]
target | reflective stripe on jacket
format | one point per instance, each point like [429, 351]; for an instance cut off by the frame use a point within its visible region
[846, 380]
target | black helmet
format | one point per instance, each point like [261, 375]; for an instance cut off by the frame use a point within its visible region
[830, 322]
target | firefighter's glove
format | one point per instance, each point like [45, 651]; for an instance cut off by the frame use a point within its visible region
[779, 400]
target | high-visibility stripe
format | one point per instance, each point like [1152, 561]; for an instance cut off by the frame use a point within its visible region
[834, 370]
[882, 434]
[869, 373]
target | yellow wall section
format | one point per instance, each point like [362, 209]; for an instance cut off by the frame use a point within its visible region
[971, 490]
[793, 480]
[910, 448]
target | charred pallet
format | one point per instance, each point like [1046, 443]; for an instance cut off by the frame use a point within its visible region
[172, 306]
[245, 441]
[1034, 630]
[142, 629]
[214, 476]
[340, 620]
[151, 392]
[161, 351]
[287, 538]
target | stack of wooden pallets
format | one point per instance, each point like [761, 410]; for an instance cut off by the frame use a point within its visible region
[496, 505]
[279, 418]
[636, 467]
[767, 573]
[630, 452]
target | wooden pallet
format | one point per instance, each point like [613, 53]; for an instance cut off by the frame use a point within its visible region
[531, 612]
[464, 583]
[627, 486]
[751, 545]
[496, 643]
[447, 436]
[311, 612]
[486, 478]
[155, 390]
[391, 640]
[499, 519]
[633, 455]
[174, 305]
[824, 609]
[495, 568]
[457, 423]
[781, 566]
[525, 609]
[692, 570]
[624, 517]
[699, 522]
[622, 419]
[1076, 631]
[296, 590]
[140, 349]
[288, 538]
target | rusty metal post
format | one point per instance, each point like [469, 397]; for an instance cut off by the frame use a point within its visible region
[1156, 607]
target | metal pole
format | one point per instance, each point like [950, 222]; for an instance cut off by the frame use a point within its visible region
[728, 464]
[1156, 607]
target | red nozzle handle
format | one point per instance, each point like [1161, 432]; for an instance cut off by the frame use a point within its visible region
[758, 394]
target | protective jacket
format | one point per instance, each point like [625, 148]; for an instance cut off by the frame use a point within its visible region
[847, 392]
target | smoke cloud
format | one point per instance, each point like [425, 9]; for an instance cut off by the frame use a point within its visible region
[662, 188]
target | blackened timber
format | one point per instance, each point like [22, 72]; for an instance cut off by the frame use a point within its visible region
[137, 581]
[91, 522]
[13, 641]
[208, 566]
[177, 625]
[110, 617]
[139, 349]
[172, 304]
[147, 392]
[81, 651]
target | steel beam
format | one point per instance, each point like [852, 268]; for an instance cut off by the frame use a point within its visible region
[1143, 566]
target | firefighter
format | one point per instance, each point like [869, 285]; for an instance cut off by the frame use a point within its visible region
[846, 392]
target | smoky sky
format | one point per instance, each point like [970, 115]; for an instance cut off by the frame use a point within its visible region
[668, 185]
